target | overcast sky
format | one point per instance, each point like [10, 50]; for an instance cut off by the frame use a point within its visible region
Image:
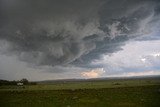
[61, 39]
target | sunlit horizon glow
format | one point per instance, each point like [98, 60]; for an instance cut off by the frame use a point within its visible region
[94, 73]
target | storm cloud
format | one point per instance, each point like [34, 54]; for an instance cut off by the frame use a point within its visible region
[72, 32]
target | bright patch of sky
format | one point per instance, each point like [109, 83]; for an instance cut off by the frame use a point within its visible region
[136, 57]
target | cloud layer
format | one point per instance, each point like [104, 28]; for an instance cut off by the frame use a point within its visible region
[54, 34]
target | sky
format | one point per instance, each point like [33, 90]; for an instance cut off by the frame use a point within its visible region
[80, 39]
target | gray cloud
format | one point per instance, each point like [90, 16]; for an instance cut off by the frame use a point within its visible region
[62, 32]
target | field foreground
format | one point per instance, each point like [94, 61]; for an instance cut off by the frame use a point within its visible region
[92, 94]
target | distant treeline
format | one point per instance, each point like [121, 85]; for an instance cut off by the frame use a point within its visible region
[24, 81]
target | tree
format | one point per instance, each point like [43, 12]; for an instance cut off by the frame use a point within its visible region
[24, 81]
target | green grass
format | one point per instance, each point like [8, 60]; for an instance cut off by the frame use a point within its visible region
[87, 84]
[113, 93]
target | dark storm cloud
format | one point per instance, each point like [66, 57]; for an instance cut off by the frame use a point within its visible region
[60, 32]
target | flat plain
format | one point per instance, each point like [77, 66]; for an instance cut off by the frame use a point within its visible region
[135, 92]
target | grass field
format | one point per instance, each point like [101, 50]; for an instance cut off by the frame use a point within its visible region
[106, 93]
